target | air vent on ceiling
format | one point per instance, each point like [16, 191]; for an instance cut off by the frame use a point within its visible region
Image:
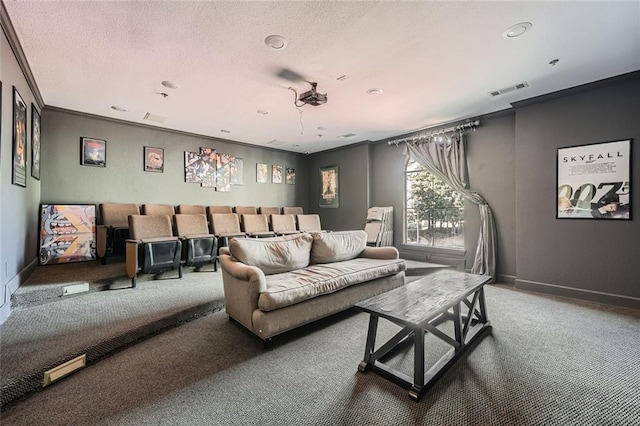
[346, 135]
[154, 117]
[276, 142]
[509, 89]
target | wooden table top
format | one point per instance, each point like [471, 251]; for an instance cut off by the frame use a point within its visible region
[424, 299]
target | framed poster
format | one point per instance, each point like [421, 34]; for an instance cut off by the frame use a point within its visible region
[276, 174]
[290, 176]
[35, 142]
[67, 233]
[223, 172]
[19, 171]
[93, 152]
[153, 159]
[262, 173]
[329, 188]
[594, 181]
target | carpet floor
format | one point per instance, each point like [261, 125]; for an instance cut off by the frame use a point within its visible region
[547, 361]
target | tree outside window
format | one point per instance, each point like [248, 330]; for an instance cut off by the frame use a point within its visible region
[434, 211]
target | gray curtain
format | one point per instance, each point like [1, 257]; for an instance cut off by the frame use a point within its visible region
[448, 161]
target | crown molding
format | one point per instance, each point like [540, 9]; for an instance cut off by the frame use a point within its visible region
[16, 47]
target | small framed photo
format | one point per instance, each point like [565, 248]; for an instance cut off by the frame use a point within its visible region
[290, 176]
[262, 173]
[153, 159]
[276, 174]
[93, 152]
[35, 142]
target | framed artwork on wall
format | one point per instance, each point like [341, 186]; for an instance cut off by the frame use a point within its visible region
[35, 142]
[276, 174]
[329, 187]
[19, 171]
[153, 159]
[290, 176]
[594, 181]
[262, 173]
[237, 171]
[208, 165]
[93, 152]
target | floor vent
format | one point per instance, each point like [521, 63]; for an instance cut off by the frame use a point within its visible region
[509, 89]
[64, 370]
[75, 288]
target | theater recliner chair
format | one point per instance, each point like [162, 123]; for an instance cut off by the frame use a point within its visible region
[199, 247]
[113, 231]
[153, 248]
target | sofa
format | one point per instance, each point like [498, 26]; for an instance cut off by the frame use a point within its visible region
[273, 285]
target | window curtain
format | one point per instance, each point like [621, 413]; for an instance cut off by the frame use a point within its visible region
[448, 161]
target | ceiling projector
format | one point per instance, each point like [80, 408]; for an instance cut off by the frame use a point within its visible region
[312, 97]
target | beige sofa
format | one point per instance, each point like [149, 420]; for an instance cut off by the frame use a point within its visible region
[273, 285]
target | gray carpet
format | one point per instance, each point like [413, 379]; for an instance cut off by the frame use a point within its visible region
[46, 329]
[548, 361]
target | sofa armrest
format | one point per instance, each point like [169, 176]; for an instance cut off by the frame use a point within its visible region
[102, 233]
[380, 253]
[242, 287]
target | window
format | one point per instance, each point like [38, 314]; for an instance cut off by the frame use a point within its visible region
[434, 213]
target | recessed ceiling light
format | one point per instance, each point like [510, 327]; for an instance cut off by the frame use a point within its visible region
[119, 108]
[275, 42]
[374, 91]
[225, 131]
[517, 30]
[322, 128]
[263, 112]
[554, 62]
[342, 78]
[170, 84]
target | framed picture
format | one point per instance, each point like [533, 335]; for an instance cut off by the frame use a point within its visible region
[594, 181]
[223, 173]
[93, 152]
[290, 176]
[35, 142]
[276, 174]
[19, 174]
[67, 233]
[262, 173]
[153, 159]
[329, 187]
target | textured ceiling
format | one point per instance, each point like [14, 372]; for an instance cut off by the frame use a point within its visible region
[434, 61]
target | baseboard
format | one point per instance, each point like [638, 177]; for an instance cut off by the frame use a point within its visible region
[577, 293]
[505, 279]
[11, 287]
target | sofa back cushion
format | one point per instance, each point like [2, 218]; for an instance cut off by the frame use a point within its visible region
[337, 246]
[273, 255]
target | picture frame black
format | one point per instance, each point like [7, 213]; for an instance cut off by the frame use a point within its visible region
[93, 152]
[35, 142]
[20, 152]
[593, 181]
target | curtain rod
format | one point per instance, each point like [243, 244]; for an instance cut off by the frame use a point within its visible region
[471, 125]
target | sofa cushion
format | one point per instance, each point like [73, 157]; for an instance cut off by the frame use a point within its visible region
[301, 284]
[273, 255]
[337, 246]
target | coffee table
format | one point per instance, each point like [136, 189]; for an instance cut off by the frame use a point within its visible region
[418, 307]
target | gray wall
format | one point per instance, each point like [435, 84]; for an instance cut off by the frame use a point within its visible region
[18, 205]
[64, 180]
[353, 167]
[591, 259]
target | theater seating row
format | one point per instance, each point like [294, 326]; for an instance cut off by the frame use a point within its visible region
[158, 238]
